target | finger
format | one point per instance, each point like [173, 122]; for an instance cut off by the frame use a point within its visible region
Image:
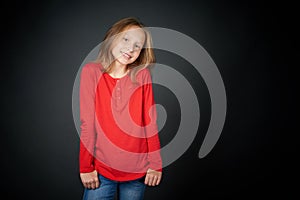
[146, 179]
[97, 183]
[83, 182]
[90, 185]
[158, 180]
[85, 185]
[150, 180]
[93, 185]
[154, 181]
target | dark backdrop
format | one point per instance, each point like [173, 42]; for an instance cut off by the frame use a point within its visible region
[44, 43]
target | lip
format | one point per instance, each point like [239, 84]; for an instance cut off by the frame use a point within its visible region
[126, 55]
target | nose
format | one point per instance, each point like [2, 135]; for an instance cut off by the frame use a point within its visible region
[130, 47]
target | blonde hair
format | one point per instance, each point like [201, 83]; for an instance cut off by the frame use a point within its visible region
[105, 57]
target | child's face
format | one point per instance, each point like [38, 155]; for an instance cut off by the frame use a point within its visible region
[129, 46]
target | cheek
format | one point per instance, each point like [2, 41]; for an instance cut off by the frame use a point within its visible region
[116, 50]
[137, 54]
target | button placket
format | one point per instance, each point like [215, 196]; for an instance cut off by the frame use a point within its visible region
[118, 92]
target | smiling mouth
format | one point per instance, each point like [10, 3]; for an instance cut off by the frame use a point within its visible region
[126, 55]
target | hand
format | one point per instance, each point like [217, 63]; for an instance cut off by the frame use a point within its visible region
[152, 177]
[90, 180]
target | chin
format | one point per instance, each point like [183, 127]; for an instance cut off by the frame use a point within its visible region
[125, 62]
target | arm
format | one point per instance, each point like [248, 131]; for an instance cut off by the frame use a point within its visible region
[154, 172]
[88, 84]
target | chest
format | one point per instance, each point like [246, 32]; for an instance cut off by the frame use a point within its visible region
[118, 94]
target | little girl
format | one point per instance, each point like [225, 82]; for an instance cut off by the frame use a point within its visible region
[119, 143]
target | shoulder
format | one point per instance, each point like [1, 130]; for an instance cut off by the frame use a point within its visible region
[91, 71]
[92, 67]
[144, 74]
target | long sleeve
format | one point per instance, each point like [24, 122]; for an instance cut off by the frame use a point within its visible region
[154, 157]
[88, 82]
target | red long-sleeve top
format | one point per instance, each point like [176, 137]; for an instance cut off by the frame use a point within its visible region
[118, 131]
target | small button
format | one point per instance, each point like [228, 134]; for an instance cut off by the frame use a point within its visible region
[118, 88]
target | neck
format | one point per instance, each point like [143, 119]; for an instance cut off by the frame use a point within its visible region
[118, 70]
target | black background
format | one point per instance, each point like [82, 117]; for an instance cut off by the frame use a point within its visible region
[44, 44]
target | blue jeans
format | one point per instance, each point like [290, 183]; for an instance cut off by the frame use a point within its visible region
[110, 190]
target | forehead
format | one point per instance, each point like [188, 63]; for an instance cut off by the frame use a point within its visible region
[135, 33]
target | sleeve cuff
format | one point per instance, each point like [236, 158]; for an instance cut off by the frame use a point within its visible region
[86, 169]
